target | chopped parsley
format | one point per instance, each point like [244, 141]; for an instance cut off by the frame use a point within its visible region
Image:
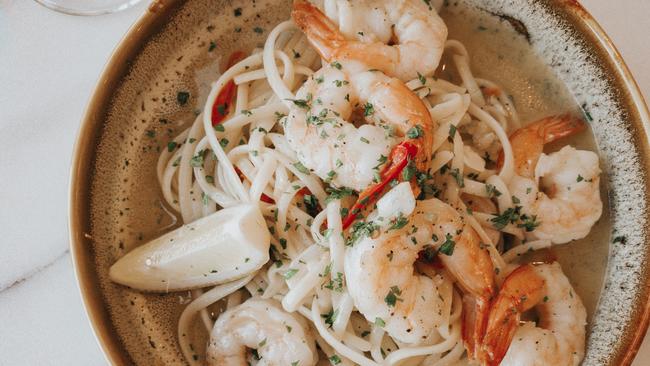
[368, 109]
[580, 178]
[278, 117]
[327, 233]
[213, 45]
[290, 273]
[422, 79]
[492, 191]
[380, 322]
[302, 103]
[258, 30]
[447, 248]
[237, 12]
[330, 317]
[219, 128]
[392, 297]
[361, 230]
[311, 204]
[399, 222]
[330, 175]
[335, 360]
[171, 146]
[336, 64]
[508, 216]
[586, 112]
[382, 159]
[458, 176]
[452, 131]
[301, 168]
[409, 171]
[340, 83]
[338, 193]
[336, 284]
[197, 160]
[319, 119]
[529, 223]
[415, 132]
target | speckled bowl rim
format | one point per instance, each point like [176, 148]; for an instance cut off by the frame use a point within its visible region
[117, 67]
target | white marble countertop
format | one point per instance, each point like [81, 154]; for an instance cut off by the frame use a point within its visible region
[49, 64]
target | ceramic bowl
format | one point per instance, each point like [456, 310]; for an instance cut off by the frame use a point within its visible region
[115, 202]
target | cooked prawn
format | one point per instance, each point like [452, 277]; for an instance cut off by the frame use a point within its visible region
[559, 337]
[380, 266]
[468, 262]
[319, 129]
[381, 277]
[559, 191]
[280, 338]
[402, 38]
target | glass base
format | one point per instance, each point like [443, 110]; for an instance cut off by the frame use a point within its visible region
[87, 7]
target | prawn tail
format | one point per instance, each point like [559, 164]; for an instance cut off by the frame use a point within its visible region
[322, 33]
[474, 322]
[520, 291]
[528, 142]
[564, 125]
[498, 338]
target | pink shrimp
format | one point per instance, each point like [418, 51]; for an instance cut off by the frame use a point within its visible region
[558, 339]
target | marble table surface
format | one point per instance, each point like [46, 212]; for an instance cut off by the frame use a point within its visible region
[49, 64]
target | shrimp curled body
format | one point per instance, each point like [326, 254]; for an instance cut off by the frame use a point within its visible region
[558, 339]
[561, 189]
[382, 266]
[383, 283]
[402, 38]
[279, 337]
[319, 126]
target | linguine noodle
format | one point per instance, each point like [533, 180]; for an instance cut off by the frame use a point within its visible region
[247, 159]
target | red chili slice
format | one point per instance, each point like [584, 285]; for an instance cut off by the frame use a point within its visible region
[399, 158]
[222, 103]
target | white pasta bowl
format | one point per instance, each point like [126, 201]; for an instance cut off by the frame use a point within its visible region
[115, 202]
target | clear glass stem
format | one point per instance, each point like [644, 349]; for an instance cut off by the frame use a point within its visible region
[87, 7]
